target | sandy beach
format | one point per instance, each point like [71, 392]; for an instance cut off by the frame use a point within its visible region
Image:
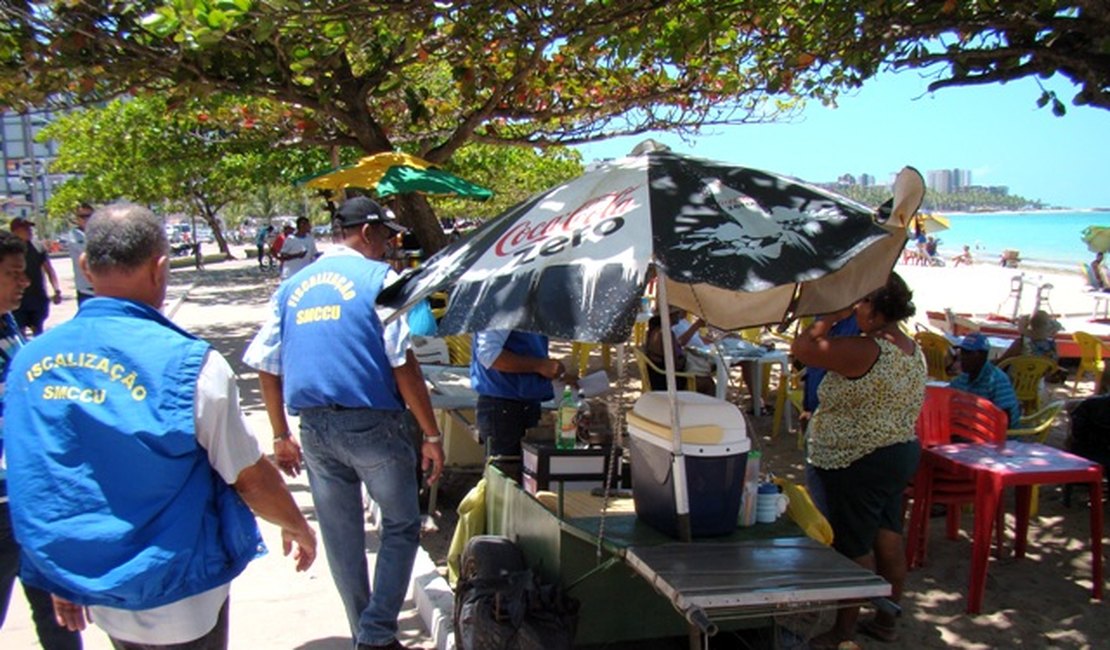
[1041, 601]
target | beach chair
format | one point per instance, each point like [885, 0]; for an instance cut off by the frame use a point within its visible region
[1036, 427]
[1027, 374]
[643, 363]
[1090, 359]
[936, 349]
[1101, 308]
[790, 395]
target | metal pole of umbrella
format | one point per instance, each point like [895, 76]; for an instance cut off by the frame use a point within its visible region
[678, 468]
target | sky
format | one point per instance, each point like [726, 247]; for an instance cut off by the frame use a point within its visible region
[996, 131]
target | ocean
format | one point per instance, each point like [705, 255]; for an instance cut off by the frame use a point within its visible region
[1045, 238]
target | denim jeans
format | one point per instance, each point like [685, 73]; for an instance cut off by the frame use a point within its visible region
[51, 635]
[345, 449]
[502, 423]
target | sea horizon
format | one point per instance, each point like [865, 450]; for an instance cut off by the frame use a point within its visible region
[1046, 237]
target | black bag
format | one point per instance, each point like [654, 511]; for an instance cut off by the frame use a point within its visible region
[501, 605]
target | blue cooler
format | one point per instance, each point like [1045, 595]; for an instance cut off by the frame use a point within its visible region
[715, 445]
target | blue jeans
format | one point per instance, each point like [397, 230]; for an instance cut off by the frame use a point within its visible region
[345, 449]
[51, 635]
[502, 423]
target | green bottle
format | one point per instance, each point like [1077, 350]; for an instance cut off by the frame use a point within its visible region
[567, 432]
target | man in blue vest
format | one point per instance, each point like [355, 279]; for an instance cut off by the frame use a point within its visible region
[13, 281]
[325, 354]
[132, 472]
[512, 375]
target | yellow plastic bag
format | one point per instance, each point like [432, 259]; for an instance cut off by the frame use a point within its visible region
[472, 522]
[804, 513]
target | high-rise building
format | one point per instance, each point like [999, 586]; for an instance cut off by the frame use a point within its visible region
[866, 180]
[26, 182]
[948, 180]
[962, 178]
[939, 180]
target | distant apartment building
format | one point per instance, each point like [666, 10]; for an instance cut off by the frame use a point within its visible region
[866, 180]
[27, 182]
[946, 181]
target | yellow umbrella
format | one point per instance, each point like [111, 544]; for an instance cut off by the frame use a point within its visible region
[932, 223]
[367, 171]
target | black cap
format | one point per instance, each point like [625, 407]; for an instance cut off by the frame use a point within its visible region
[360, 210]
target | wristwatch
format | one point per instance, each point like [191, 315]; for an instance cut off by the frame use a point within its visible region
[434, 439]
[282, 436]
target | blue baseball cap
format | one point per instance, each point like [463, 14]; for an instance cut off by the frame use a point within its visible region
[974, 342]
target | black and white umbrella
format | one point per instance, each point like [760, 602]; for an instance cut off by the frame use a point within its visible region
[737, 246]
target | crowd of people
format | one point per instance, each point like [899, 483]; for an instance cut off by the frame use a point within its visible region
[149, 554]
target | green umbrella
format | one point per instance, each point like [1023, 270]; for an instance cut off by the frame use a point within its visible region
[401, 179]
[1097, 238]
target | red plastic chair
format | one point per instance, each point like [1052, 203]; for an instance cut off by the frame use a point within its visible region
[950, 415]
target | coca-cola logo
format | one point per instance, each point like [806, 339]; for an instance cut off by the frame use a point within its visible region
[598, 217]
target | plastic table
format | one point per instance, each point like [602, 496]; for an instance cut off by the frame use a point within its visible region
[1021, 465]
[734, 353]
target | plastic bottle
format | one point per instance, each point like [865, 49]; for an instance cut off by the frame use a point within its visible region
[750, 494]
[567, 433]
[582, 418]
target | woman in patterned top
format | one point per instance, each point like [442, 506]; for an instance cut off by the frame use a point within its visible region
[862, 440]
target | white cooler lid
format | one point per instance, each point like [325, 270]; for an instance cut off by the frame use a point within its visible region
[714, 425]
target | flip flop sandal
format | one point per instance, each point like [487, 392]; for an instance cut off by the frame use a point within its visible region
[878, 631]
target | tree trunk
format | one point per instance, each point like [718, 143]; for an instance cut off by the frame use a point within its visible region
[415, 213]
[208, 213]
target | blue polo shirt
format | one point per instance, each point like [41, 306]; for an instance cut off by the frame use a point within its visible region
[992, 384]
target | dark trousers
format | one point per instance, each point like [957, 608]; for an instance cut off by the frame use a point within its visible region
[216, 639]
[502, 423]
[51, 635]
[32, 318]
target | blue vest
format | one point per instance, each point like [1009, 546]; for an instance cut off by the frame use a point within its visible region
[528, 387]
[332, 353]
[113, 501]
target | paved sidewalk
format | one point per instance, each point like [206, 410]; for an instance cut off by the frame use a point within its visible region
[271, 605]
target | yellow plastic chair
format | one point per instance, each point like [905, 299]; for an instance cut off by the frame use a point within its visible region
[790, 395]
[439, 297]
[458, 348]
[1036, 427]
[1026, 374]
[644, 364]
[1090, 359]
[936, 349]
[580, 352]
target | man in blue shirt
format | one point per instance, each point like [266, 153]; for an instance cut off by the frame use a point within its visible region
[981, 377]
[512, 375]
[13, 280]
[133, 474]
[325, 354]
